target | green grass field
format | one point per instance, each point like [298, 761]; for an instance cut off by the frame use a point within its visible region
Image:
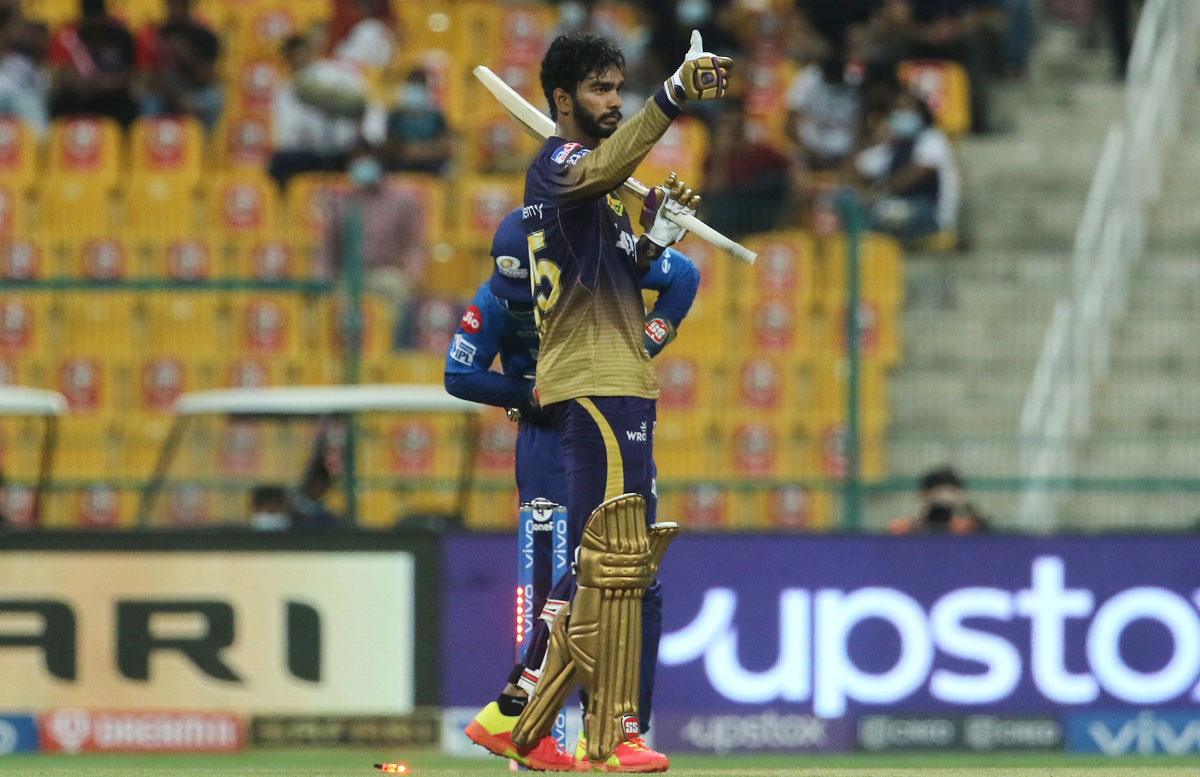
[428, 763]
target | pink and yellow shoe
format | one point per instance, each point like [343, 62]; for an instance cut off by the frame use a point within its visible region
[630, 757]
[492, 730]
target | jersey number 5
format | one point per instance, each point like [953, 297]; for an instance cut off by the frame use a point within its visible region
[543, 270]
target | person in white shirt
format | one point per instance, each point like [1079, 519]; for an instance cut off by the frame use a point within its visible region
[823, 113]
[911, 177]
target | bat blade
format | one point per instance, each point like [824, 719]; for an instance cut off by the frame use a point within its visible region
[540, 126]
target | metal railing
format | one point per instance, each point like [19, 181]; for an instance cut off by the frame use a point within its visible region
[1110, 240]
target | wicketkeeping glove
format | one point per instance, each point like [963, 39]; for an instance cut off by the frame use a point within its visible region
[702, 76]
[672, 197]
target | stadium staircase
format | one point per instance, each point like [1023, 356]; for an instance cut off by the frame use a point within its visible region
[975, 318]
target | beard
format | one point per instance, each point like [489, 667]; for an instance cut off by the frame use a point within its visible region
[590, 123]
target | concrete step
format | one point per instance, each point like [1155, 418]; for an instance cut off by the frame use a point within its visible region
[1028, 222]
[1122, 456]
[1124, 510]
[1151, 332]
[973, 455]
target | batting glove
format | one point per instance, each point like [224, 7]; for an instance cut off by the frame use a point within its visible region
[675, 198]
[702, 76]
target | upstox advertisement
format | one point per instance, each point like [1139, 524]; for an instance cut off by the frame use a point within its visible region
[832, 642]
[243, 632]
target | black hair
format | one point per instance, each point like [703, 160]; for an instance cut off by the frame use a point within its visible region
[942, 476]
[292, 43]
[922, 108]
[266, 497]
[572, 58]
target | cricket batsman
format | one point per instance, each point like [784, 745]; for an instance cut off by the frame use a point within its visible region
[595, 384]
[499, 321]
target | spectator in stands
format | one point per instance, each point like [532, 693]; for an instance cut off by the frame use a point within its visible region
[306, 506]
[268, 509]
[910, 178]
[94, 62]
[746, 181]
[1016, 36]
[180, 60]
[823, 114]
[942, 506]
[369, 41]
[418, 139]
[24, 85]
[309, 134]
[394, 247]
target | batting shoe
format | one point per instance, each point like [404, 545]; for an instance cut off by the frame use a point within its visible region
[630, 757]
[492, 730]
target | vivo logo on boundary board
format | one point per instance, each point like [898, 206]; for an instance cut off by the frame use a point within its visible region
[814, 665]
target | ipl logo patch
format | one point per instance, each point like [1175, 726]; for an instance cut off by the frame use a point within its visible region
[615, 203]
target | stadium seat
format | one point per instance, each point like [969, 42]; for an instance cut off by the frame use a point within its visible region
[377, 327]
[826, 453]
[157, 207]
[240, 450]
[794, 507]
[511, 32]
[681, 150]
[24, 259]
[254, 82]
[777, 326]
[766, 80]
[497, 144]
[309, 196]
[269, 259]
[496, 454]
[21, 447]
[267, 324]
[261, 31]
[944, 86]
[83, 451]
[243, 142]
[698, 506]
[416, 367]
[761, 387]
[826, 398]
[249, 372]
[24, 324]
[161, 380]
[100, 259]
[760, 448]
[168, 147]
[181, 259]
[70, 208]
[242, 206]
[879, 333]
[412, 448]
[86, 380]
[494, 507]
[430, 193]
[18, 154]
[685, 383]
[483, 202]
[52, 13]
[881, 271]
[86, 148]
[685, 458]
[185, 323]
[14, 210]
[378, 507]
[97, 322]
[786, 267]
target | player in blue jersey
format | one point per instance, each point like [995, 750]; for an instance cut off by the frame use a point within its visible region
[499, 322]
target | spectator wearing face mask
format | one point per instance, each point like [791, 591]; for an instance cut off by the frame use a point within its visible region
[418, 138]
[910, 179]
[394, 244]
[24, 86]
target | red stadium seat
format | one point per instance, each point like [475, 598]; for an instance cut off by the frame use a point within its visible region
[23, 259]
[243, 142]
[86, 148]
[168, 147]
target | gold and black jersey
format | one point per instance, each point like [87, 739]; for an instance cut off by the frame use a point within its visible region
[586, 282]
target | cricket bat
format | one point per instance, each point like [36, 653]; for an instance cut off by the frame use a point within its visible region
[541, 126]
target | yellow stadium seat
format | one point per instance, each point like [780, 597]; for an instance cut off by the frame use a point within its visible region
[99, 259]
[453, 271]
[74, 208]
[262, 31]
[944, 87]
[24, 259]
[138, 438]
[881, 270]
[190, 506]
[83, 450]
[309, 198]
[377, 327]
[879, 333]
[794, 507]
[254, 83]
[243, 142]
[242, 206]
[429, 193]
[511, 33]
[764, 88]
[25, 324]
[762, 387]
[681, 150]
[250, 372]
[14, 210]
[716, 270]
[161, 379]
[138, 13]
[496, 454]
[86, 148]
[159, 207]
[378, 507]
[686, 384]
[181, 259]
[497, 144]
[786, 267]
[18, 154]
[777, 326]
[52, 13]
[698, 506]
[168, 147]
[494, 508]
[100, 323]
[483, 202]
[269, 324]
[86, 380]
[824, 397]
[686, 458]
[270, 258]
[411, 448]
[760, 448]
[415, 367]
[186, 322]
[827, 453]
[243, 449]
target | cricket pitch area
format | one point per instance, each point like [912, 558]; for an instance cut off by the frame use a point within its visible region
[431, 763]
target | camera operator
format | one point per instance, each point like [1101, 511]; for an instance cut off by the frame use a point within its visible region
[942, 507]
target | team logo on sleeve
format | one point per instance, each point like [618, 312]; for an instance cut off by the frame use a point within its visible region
[563, 152]
[472, 320]
[461, 351]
